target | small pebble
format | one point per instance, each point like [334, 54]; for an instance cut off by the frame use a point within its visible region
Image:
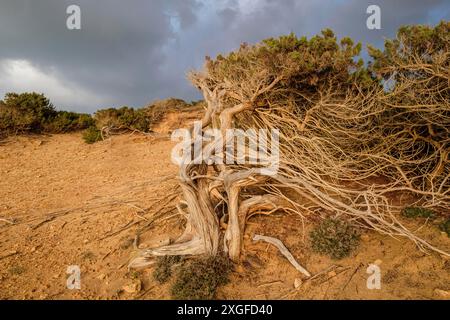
[442, 293]
[297, 283]
[332, 273]
[133, 287]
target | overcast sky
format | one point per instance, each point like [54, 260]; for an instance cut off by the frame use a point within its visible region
[132, 52]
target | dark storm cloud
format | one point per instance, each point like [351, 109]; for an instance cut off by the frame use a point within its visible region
[131, 52]
[118, 51]
[346, 18]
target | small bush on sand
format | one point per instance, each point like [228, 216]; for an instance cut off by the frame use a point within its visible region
[334, 237]
[164, 267]
[92, 135]
[16, 270]
[133, 275]
[199, 279]
[417, 212]
[88, 255]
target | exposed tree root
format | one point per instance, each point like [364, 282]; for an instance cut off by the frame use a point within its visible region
[277, 243]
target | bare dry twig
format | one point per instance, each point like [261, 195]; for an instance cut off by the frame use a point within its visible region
[277, 243]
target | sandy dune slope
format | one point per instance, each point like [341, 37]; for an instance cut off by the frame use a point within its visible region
[77, 204]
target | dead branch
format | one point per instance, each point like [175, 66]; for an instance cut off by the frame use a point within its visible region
[277, 243]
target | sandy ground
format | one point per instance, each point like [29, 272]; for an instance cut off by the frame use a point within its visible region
[78, 204]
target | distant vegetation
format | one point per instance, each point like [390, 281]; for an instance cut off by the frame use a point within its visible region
[115, 121]
[142, 119]
[34, 113]
[25, 113]
[417, 212]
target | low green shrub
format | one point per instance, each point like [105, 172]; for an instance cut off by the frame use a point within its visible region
[164, 267]
[123, 118]
[66, 121]
[92, 135]
[334, 237]
[16, 270]
[417, 212]
[200, 279]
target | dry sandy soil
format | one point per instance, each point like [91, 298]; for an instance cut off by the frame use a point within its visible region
[77, 204]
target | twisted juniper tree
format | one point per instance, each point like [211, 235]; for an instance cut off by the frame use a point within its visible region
[349, 136]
